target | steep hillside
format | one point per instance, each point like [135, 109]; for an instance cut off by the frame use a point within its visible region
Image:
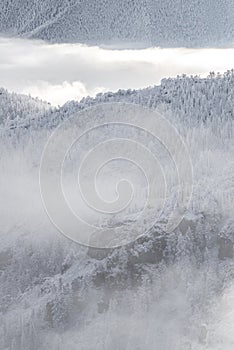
[161, 22]
[166, 290]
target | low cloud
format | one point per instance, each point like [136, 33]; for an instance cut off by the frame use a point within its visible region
[61, 72]
[58, 94]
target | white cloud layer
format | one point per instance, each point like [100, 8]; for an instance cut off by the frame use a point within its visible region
[58, 94]
[61, 72]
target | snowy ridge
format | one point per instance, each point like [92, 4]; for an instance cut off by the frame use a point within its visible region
[192, 99]
[161, 23]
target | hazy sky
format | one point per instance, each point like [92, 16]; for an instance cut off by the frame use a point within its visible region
[62, 72]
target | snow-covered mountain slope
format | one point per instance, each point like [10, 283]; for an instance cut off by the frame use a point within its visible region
[163, 291]
[192, 99]
[15, 108]
[162, 23]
